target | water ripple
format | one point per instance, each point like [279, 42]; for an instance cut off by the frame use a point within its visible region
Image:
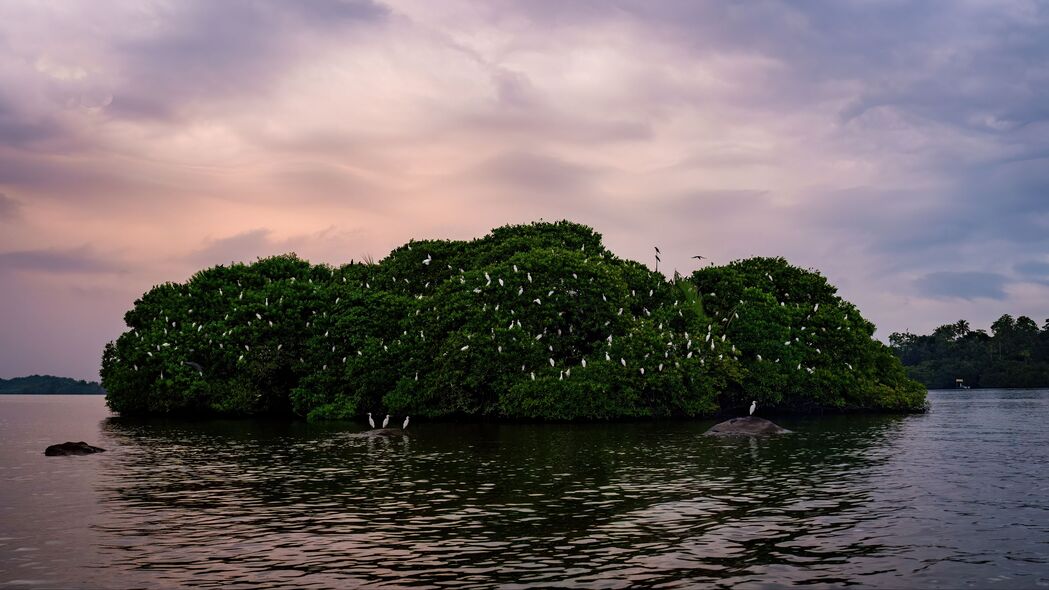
[939, 500]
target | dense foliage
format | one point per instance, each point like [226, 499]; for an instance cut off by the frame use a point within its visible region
[535, 321]
[49, 384]
[800, 346]
[1014, 354]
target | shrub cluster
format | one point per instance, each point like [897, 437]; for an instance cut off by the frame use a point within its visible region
[534, 321]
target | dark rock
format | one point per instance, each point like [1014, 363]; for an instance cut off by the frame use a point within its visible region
[72, 448]
[749, 425]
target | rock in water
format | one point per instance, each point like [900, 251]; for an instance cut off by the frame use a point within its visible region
[749, 425]
[72, 448]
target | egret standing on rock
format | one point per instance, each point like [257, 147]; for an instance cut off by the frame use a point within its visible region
[405, 425]
[753, 404]
[386, 422]
[370, 421]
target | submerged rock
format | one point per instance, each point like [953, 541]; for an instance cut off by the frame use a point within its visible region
[749, 425]
[72, 448]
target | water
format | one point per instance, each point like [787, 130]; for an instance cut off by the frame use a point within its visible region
[955, 498]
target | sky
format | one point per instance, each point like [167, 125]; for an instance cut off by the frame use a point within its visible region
[900, 148]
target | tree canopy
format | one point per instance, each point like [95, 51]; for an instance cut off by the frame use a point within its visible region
[535, 321]
[1014, 354]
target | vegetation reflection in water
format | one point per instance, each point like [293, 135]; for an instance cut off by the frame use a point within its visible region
[220, 501]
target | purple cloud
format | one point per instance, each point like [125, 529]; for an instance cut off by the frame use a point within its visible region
[963, 285]
[9, 208]
[81, 260]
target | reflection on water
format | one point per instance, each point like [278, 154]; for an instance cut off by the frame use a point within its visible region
[520, 505]
[937, 500]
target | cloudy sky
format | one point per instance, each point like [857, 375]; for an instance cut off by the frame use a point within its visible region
[901, 148]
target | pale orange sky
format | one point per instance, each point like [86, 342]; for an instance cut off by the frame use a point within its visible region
[899, 147]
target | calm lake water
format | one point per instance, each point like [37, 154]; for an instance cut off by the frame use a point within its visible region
[955, 498]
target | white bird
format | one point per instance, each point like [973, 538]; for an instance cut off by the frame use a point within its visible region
[386, 422]
[405, 425]
[427, 262]
[753, 405]
[370, 421]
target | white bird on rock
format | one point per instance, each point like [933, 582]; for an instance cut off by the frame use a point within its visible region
[371, 422]
[386, 421]
[753, 404]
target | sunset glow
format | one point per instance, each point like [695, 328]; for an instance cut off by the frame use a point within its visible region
[900, 148]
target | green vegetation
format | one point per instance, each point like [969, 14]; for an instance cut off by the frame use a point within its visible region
[36, 384]
[1014, 354]
[534, 321]
[802, 348]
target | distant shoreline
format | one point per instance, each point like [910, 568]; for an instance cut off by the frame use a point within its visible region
[959, 390]
[49, 385]
[38, 393]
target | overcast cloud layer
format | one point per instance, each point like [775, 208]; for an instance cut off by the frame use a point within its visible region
[901, 148]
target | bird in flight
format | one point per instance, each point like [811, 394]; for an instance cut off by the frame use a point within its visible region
[699, 257]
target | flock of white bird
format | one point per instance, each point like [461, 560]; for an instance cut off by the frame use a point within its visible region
[386, 421]
[678, 346]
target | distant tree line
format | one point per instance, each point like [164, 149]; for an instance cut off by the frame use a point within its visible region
[536, 321]
[49, 384]
[1014, 354]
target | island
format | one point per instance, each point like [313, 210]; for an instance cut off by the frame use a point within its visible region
[536, 321]
[49, 384]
